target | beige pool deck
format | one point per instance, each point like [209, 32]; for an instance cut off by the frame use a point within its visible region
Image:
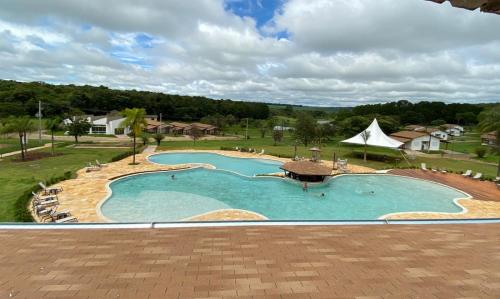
[83, 195]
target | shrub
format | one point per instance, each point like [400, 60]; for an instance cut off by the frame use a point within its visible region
[480, 152]
[375, 157]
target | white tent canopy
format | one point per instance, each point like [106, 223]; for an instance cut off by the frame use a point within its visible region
[377, 137]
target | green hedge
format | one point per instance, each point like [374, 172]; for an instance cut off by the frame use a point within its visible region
[126, 154]
[375, 157]
[21, 209]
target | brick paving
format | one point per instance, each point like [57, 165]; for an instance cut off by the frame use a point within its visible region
[381, 261]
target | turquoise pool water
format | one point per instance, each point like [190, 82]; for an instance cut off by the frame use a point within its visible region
[156, 197]
[249, 167]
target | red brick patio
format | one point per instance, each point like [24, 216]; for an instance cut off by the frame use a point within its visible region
[381, 261]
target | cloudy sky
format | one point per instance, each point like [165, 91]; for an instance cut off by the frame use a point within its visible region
[312, 52]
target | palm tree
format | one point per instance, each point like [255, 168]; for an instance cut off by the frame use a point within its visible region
[53, 125]
[365, 135]
[134, 119]
[22, 126]
[489, 120]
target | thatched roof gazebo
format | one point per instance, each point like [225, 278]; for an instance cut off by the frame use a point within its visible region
[307, 171]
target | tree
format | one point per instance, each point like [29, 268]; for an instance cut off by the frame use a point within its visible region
[305, 128]
[277, 136]
[144, 138]
[489, 120]
[135, 121]
[365, 135]
[195, 134]
[158, 138]
[53, 125]
[22, 126]
[78, 127]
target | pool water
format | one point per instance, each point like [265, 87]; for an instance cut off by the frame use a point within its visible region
[158, 197]
[245, 166]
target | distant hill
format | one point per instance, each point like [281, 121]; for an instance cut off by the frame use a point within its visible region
[19, 98]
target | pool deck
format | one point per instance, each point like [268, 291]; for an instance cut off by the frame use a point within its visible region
[485, 194]
[370, 261]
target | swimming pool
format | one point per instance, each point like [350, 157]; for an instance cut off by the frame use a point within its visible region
[245, 166]
[158, 197]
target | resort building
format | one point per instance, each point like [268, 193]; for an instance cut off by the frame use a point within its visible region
[438, 133]
[443, 135]
[417, 141]
[489, 138]
[109, 124]
[179, 128]
[283, 128]
[454, 130]
[154, 126]
[206, 129]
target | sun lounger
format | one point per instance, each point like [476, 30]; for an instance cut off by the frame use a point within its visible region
[46, 203]
[433, 169]
[51, 190]
[98, 164]
[44, 197]
[67, 219]
[444, 171]
[91, 167]
[261, 152]
[467, 173]
[423, 167]
[477, 176]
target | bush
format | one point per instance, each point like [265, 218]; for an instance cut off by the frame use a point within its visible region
[480, 152]
[126, 154]
[21, 210]
[375, 157]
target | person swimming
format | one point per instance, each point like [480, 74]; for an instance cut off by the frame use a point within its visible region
[173, 177]
[304, 187]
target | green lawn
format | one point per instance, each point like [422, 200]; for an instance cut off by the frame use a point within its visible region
[468, 143]
[18, 177]
[8, 145]
[286, 149]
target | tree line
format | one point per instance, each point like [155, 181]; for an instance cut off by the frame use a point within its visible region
[19, 98]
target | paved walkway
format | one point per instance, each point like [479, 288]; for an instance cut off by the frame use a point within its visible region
[149, 149]
[381, 261]
[29, 150]
[482, 190]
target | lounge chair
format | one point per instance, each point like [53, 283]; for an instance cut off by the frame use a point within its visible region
[51, 190]
[67, 219]
[91, 167]
[478, 176]
[55, 215]
[45, 204]
[261, 152]
[98, 164]
[44, 197]
[433, 169]
[423, 167]
[444, 171]
[467, 173]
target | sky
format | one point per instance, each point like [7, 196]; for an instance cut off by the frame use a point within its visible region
[307, 52]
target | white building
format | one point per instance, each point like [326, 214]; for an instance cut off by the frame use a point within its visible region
[103, 124]
[454, 130]
[417, 141]
[439, 134]
[282, 128]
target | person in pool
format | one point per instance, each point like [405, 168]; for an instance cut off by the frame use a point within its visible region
[304, 187]
[173, 177]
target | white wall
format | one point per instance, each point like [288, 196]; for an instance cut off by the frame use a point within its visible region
[440, 134]
[115, 124]
[416, 144]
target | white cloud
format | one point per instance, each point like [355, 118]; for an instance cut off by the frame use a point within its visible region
[338, 52]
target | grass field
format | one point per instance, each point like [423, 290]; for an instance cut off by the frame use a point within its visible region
[18, 177]
[286, 149]
[8, 145]
[468, 143]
